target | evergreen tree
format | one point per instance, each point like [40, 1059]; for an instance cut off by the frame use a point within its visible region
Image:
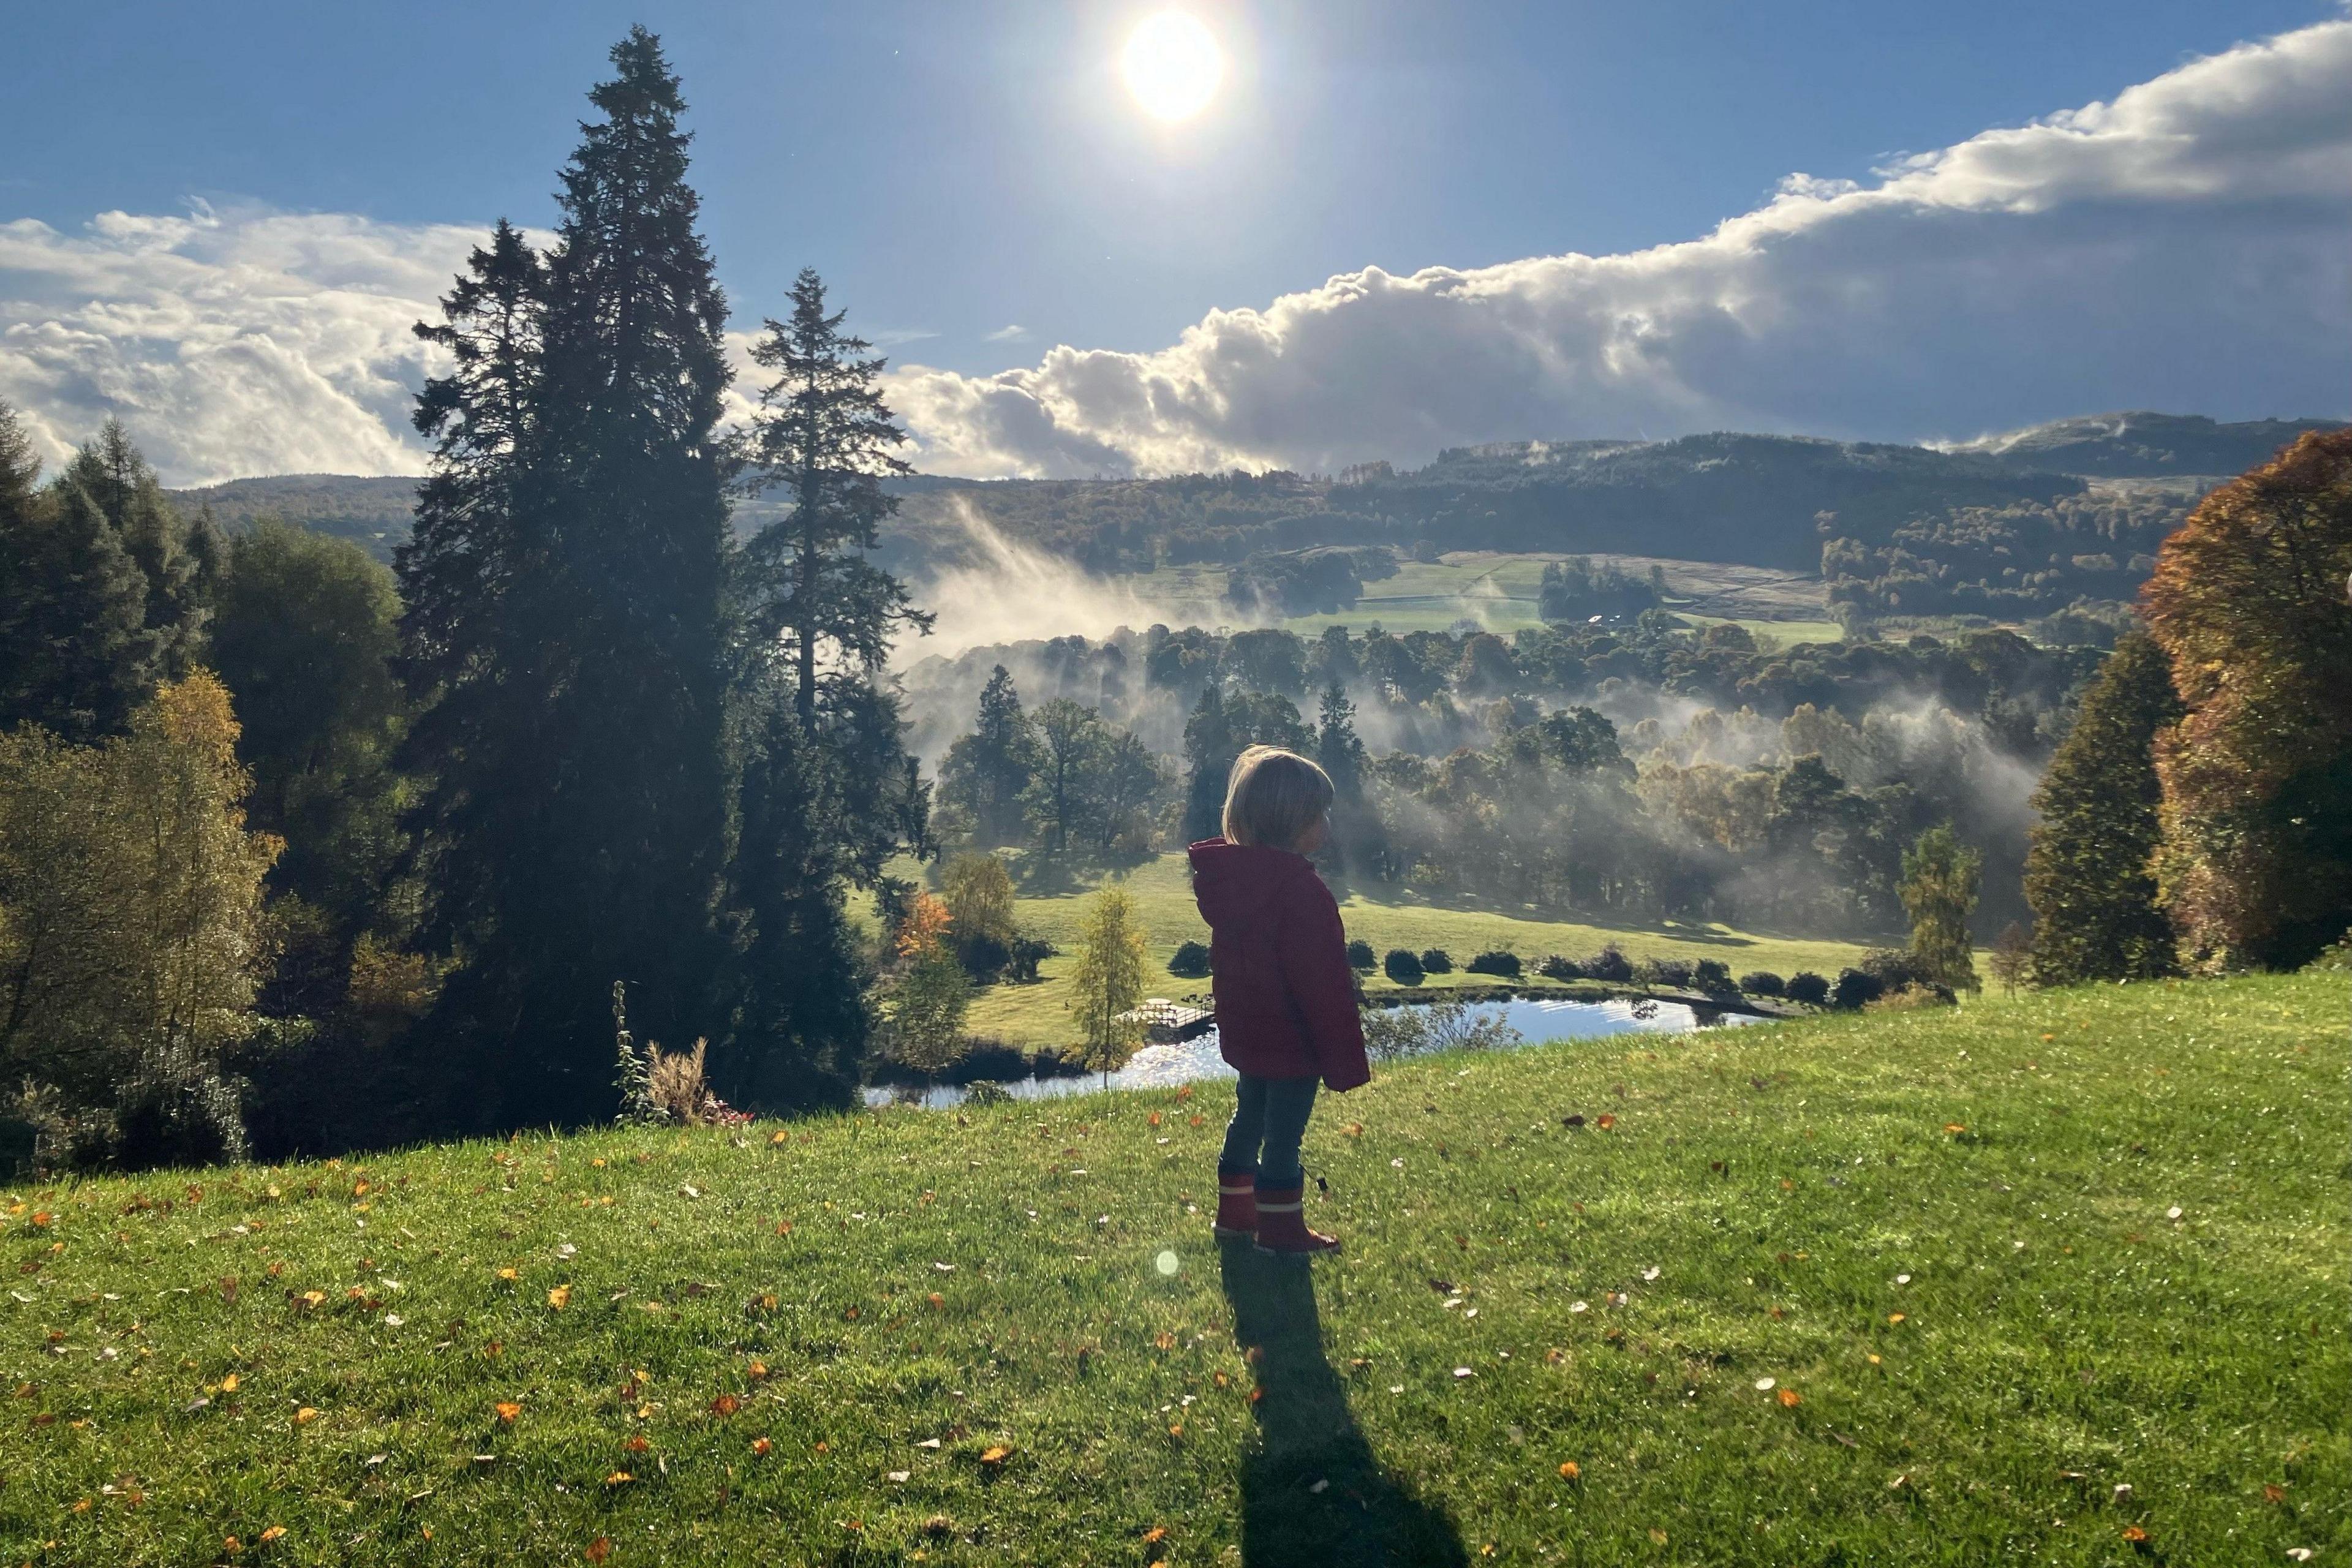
[984, 774]
[1357, 842]
[76, 653]
[581, 803]
[1210, 750]
[2090, 875]
[1940, 876]
[824, 435]
[110, 471]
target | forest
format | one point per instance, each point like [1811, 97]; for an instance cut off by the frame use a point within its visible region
[634, 740]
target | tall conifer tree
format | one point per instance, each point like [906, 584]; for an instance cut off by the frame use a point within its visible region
[2090, 875]
[584, 802]
[984, 773]
[110, 470]
[76, 653]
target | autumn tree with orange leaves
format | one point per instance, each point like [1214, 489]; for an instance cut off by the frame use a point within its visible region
[2248, 602]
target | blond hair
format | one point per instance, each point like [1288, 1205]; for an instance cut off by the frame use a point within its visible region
[1273, 797]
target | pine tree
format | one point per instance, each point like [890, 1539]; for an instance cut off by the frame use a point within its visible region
[1209, 748]
[111, 473]
[76, 656]
[825, 436]
[984, 773]
[1357, 842]
[1940, 876]
[2090, 875]
[581, 807]
[1106, 981]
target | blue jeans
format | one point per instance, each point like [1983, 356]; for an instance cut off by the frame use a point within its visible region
[1267, 1125]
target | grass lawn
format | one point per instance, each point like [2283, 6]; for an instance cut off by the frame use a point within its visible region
[1162, 888]
[2058, 1280]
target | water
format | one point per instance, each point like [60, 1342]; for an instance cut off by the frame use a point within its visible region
[1196, 1059]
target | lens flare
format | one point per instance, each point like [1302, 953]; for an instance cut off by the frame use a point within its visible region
[1172, 65]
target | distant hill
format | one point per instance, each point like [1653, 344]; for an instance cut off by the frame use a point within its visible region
[372, 511]
[2140, 444]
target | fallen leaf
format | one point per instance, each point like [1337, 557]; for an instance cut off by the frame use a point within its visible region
[936, 1299]
[559, 1297]
[602, 1547]
[1163, 1340]
[636, 1444]
[619, 1478]
[305, 1415]
[275, 1532]
[2274, 1493]
[1605, 1122]
[1790, 1398]
[228, 1384]
[725, 1404]
[1893, 1317]
[509, 1273]
[2135, 1534]
[507, 1410]
[1658, 1537]
[1955, 1127]
[995, 1455]
[761, 1446]
[1155, 1535]
[1570, 1469]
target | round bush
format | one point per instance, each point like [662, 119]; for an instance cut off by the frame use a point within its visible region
[1712, 975]
[1436, 961]
[1496, 962]
[1609, 964]
[1673, 973]
[1807, 987]
[1361, 957]
[1192, 961]
[1761, 982]
[1557, 968]
[1402, 966]
[1855, 987]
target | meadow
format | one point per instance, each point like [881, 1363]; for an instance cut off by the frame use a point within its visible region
[1053, 908]
[2059, 1279]
[1498, 592]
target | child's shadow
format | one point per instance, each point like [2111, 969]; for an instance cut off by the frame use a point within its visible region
[1361, 1516]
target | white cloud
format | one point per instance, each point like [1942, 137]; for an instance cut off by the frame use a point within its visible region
[231, 343]
[2186, 246]
[1005, 334]
[2183, 247]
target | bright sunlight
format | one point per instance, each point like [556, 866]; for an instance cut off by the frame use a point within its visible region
[1172, 66]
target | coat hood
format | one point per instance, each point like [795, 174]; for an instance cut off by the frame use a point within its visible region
[1235, 883]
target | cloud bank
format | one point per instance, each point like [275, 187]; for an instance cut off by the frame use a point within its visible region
[2188, 246]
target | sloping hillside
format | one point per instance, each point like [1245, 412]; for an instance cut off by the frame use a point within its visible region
[2058, 1280]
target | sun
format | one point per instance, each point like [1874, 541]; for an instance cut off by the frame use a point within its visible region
[1172, 66]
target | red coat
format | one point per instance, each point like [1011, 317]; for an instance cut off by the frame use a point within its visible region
[1286, 997]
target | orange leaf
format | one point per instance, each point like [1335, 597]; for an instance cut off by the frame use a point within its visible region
[509, 1273]
[1570, 1470]
[598, 1548]
[1155, 1535]
[1607, 1121]
[2135, 1534]
[1790, 1398]
[274, 1532]
[1155, 1119]
[761, 1446]
[725, 1404]
[995, 1454]
[638, 1443]
[559, 1297]
[1256, 1395]
[507, 1410]
[305, 1415]
[2274, 1493]
[619, 1478]
[784, 1227]
[228, 1384]
[936, 1299]
[759, 1369]
[1163, 1340]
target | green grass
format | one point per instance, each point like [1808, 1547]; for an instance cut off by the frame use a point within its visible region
[1034, 1015]
[1771, 635]
[988, 1280]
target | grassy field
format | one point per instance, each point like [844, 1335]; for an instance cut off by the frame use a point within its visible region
[1498, 592]
[2059, 1280]
[1034, 1015]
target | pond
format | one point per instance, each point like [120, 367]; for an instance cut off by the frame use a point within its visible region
[1538, 1021]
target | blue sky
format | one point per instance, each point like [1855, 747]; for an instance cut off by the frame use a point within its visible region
[957, 168]
[1537, 219]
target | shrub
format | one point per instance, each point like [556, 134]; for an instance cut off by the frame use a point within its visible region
[1360, 956]
[1807, 987]
[982, 955]
[1855, 988]
[1712, 975]
[1402, 966]
[1557, 968]
[1496, 962]
[675, 1082]
[1192, 961]
[1028, 952]
[1668, 971]
[1893, 968]
[1761, 982]
[1436, 961]
[2336, 959]
[1609, 964]
[1923, 995]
